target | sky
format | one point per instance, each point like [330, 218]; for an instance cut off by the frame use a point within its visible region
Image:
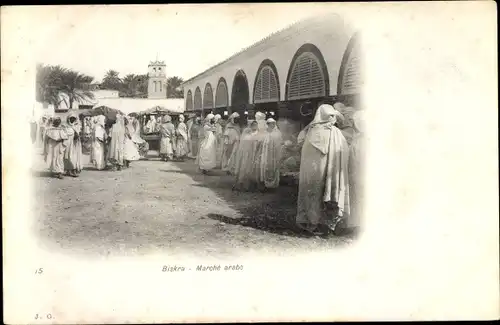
[189, 38]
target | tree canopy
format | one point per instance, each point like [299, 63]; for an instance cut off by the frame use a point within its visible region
[52, 81]
[133, 85]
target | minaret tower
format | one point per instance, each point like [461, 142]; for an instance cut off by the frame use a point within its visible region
[157, 84]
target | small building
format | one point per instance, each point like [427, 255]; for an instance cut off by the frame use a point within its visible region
[289, 73]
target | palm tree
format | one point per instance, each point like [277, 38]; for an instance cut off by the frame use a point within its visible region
[129, 85]
[174, 87]
[73, 84]
[49, 82]
[142, 85]
[111, 80]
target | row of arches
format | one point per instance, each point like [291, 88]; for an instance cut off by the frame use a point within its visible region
[307, 78]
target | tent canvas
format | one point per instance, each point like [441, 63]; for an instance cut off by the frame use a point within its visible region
[158, 110]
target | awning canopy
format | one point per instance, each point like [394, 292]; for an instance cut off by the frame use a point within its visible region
[108, 112]
[158, 110]
[130, 105]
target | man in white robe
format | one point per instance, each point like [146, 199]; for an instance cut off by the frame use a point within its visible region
[323, 199]
[269, 171]
[99, 138]
[55, 143]
[231, 138]
[207, 159]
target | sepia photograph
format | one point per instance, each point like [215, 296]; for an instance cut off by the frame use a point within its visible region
[227, 161]
[262, 149]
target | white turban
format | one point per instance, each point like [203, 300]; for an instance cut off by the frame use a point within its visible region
[271, 120]
[217, 117]
[339, 106]
[324, 112]
[234, 115]
[260, 116]
[209, 117]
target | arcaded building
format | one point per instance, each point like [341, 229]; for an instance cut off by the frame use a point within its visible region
[288, 73]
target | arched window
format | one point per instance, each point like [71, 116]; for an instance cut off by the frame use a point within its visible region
[266, 87]
[208, 97]
[197, 98]
[307, 77]
[221, 94]
[189, 101]
[160, 83]
[350, 75]
[155, 86]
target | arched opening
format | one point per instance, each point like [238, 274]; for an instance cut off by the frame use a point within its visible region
[240, 95]
[221, 98]
[308, 84]
[350, 81]
[266, 90]
[208, 99]
[189, 101]
[197, 99]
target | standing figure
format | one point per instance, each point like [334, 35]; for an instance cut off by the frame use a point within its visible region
[245, 170]
[130, 150]
[231, 138]
[189, 123]
[43, 125]
[150, 125]
[181, 139]
[142, 145]
[356, 175]
[347, 125]
[73, 154]
[207, 159]
[116, 146]
[219, 136]
[99, 138]
[55, 142]
[260, 118]
[269, 169]
[167, 138]
[194, 135]
[158, 124]
[323, 199]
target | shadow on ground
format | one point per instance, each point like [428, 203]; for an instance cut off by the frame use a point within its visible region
[272, 211]
[41, 173]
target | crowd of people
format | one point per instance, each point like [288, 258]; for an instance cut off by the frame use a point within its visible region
[113, 146]
[331, 149]
[330, 159]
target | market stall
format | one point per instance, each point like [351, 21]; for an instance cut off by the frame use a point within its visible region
[150, 131]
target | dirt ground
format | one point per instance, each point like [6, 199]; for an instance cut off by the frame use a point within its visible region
[165, 206]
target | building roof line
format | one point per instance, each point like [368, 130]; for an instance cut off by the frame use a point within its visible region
[253, 46]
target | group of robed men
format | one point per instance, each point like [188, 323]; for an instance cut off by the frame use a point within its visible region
[330, 163]
[112, 145]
